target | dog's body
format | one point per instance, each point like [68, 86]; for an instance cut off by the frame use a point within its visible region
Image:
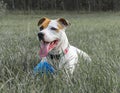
[55, 45]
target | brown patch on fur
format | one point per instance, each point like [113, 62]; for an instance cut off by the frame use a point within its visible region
[45, 23]
[63, 22]
[59, 27]
[41, 21]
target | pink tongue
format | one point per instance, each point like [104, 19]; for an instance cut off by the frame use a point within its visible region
[44, 49]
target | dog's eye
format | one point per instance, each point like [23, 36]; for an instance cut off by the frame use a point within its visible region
[41, 28]
[52, 28]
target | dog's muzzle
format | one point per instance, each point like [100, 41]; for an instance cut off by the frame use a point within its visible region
[40, 36]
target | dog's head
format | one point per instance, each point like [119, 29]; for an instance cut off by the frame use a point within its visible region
[50, 33]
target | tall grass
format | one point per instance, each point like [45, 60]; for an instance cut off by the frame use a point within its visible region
[97, 34]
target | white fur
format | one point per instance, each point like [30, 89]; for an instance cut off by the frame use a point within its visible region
[69, 60]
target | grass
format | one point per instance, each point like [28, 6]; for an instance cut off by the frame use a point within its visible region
[98, 34]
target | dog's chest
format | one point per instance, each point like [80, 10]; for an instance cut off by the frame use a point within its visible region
[57, 63]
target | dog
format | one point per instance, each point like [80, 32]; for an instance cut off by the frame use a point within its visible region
[54, 44]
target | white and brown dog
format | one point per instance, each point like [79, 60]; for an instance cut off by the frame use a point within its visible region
[55, 46]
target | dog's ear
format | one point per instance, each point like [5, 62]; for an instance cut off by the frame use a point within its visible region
[63, 22]
[42, 20]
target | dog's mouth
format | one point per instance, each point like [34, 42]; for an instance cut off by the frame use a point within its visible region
[46, 47]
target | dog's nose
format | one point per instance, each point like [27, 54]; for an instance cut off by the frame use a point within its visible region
[41, 36]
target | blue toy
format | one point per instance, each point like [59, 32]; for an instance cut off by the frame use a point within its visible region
[44, 68]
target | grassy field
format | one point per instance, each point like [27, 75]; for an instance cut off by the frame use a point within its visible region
[98, 34]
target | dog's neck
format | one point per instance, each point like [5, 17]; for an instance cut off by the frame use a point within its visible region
[62, 46]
